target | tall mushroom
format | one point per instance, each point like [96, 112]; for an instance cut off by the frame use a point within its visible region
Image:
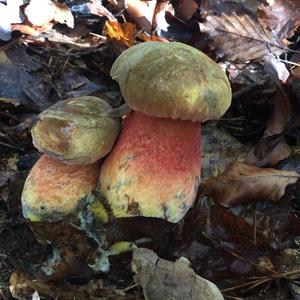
[154, 168]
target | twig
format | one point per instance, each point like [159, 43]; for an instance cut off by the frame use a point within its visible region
[231, 297]
[130, 287]
[245, 284]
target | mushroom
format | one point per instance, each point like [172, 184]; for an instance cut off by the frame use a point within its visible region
[154, 167]
[77, 131]
[54, 190]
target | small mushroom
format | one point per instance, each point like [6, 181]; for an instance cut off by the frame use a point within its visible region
[154, 167]
[54, 190]
[77, 131]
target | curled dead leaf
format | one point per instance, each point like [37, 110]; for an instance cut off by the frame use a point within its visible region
[96, 8]
[272, 148]
[162, 279]
[268, 152]
[241, 183]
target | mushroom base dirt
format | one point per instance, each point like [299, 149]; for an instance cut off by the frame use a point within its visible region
[153, 169]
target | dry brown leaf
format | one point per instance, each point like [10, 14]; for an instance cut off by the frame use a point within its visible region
[96, 8]
[152, 38]
[219, 148]
[162, 279]
[281, 16]
[141, 13]
[242, 183]
[272, 148]
[41, 13]
[268, 152]
[122, 33]
[31, 30]
[186, 9]
[296, 72]
[159, 19]
[237, 35]
[281, 114]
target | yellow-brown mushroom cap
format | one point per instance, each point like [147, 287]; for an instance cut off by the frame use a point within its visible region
[172, 80]
[53, 189]
[76, 131]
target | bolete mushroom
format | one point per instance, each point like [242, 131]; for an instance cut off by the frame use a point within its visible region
[54, 190]
[154, 167]
[77, 131]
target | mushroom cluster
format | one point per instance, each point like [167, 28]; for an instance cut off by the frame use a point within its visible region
[74, 134]
[153, 168]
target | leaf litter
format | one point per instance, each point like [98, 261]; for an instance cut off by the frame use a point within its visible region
[67, 50]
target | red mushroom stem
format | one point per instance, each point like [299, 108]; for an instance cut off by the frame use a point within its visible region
[154, 168]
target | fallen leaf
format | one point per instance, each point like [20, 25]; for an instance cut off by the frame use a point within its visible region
[159, 21]
[73, 84]
[35, 295]
[276, 68]
[96, 8]
[171, 27]
[186, 9]
[229, 242]
[268, 152]
[237, 35]
[292, 163]
[280, 16]
[20, 56]
[9, 13]
[219, 148]
[272, 148]
[123, 34]
[31, 30]
[162, 279]
[42, 12]
[152, 38]
[242, 183]
[9, 75]
[141, 13]
[37, 85]
[281, 114]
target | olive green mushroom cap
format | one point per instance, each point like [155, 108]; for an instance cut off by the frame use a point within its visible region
[172, 80]
[76, 131]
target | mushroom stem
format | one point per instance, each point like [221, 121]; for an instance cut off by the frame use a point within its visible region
[119, 112]
[153, 169]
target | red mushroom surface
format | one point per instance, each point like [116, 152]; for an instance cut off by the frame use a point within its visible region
[53, 189]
